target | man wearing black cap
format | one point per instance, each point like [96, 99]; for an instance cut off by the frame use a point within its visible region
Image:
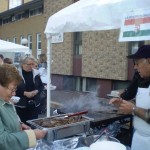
[1, 59]
[140, 110]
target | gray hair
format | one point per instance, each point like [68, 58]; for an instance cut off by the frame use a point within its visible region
[26, 59]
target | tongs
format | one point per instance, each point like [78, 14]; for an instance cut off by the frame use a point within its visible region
[76, 114]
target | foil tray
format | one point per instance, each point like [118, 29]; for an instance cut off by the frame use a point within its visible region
[63, 131]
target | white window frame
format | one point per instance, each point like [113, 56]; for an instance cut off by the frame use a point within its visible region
[14, 40]
[38, 41]
[29, 41]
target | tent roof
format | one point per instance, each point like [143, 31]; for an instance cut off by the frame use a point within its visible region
[6, 46]
[92, 15]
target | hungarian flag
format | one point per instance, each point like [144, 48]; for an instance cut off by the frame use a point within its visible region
[136, 26]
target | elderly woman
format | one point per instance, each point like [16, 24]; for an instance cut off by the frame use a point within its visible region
[29, 91]
[14, 135]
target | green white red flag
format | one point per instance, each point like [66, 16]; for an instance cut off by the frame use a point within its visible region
[135, 26]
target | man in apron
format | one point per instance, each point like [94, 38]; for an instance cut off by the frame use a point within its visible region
[140, 110]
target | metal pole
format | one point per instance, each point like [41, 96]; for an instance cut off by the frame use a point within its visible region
[49, 46]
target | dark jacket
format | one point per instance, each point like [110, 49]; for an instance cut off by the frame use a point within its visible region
[22, 87]
[131, 90]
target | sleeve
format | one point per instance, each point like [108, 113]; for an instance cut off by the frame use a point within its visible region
[20, 89]
[131, 90]
[38, 84]
[15, 140]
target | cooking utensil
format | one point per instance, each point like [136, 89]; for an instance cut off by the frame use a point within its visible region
[102, 132]
[77, 114]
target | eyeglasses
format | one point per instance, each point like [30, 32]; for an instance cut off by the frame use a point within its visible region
[12, 90]
[29, 64]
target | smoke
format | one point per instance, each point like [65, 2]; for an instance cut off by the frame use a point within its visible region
[88, 102]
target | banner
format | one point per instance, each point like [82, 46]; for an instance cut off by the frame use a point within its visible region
[135, 26]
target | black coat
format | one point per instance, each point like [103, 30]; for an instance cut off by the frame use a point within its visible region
[22, 87]
[136, 82]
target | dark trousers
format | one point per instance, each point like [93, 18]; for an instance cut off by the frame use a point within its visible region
[27, 113]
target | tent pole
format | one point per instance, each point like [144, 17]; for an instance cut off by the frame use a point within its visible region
[49, 45]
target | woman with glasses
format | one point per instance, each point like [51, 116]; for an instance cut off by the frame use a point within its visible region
[29, 91]
[14, 135]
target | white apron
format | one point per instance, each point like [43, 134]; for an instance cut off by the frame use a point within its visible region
[141, 137]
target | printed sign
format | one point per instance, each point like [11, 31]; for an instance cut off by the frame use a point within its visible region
[57, 38]
[135, 26]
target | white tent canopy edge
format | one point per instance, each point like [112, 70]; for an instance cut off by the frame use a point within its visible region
[6, 46]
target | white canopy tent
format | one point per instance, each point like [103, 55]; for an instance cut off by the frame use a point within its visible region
[87, 15]
[6, 46]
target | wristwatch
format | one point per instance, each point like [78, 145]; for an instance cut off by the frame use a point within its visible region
[133, 110]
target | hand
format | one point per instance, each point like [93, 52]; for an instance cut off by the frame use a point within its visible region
[24, 126]
[28, 94]
[35, 92]
[31, 94]
[126, 107]
[40, 133]
[116, 101]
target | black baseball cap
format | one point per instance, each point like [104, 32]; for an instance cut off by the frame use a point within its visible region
[143, 52]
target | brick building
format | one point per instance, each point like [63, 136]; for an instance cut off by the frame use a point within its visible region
[87, 61]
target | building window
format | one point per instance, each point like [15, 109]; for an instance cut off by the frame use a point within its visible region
[78, 43]
[19, 16]
[72, 83]
[6, 20]
[118, 85]
[38, 41]
[69, 83]
[30, 42]
[91, 84]
[78, 83]
[8, 39]
[14, 3]
[14, 40]
[36, 11]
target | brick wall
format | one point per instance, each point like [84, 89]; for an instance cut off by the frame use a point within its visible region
[103, 56]
[62, 53]
[32, 26]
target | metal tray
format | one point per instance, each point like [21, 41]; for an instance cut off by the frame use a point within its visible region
[63, 131]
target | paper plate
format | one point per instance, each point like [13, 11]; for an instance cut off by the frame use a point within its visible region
[15, 99]
[107, 145]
